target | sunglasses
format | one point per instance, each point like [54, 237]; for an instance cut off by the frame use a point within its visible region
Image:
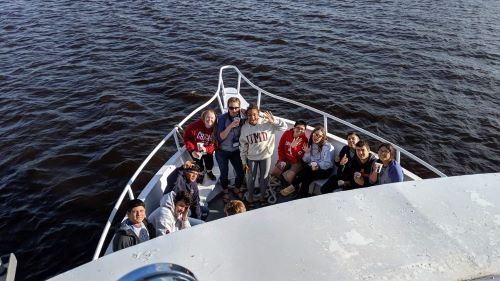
[234, 108]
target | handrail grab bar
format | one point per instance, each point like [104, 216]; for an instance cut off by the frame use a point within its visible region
[262, 91]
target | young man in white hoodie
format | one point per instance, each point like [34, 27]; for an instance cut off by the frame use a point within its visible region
[172, 215]
[257, 140]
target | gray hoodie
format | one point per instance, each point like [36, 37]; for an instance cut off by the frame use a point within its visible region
[164, 218]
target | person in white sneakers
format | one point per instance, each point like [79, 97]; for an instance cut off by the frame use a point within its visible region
[256, 148]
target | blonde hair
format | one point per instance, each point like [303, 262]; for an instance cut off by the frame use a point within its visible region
[234, 207]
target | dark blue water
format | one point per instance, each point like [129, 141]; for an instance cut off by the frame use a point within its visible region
[88, 88]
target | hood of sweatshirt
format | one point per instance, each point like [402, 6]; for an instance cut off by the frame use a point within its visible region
[167, 201]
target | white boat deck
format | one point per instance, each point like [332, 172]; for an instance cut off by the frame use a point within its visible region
[437, 229]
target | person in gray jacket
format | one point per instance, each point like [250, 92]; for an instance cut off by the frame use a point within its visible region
[172, 215]
[135, 229]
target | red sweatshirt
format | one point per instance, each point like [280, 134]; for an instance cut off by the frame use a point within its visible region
[197, 132]
[291, 154]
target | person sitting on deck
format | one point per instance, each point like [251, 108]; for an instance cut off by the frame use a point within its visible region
[256, 148]
[184, 178]
[319, 159]
[386, 169]
[290, 153]
[234, 207]
[344, 162]
[362, 165]
[172, 215]
[135, 229]
[199, 138]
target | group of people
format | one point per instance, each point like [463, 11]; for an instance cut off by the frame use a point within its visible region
[246, 139]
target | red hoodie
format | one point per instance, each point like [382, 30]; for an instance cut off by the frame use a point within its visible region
[291, 154]
[197, 132]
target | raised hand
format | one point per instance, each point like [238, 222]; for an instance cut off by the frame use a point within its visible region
[306, 147]
[295, 142]
[269, 116]
[344, 160]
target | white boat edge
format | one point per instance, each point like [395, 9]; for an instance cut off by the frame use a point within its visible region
[435, 229]
[154, 190]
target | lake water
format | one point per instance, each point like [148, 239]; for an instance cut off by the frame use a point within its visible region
[88, 88]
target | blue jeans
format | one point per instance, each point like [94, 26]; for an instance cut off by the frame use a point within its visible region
[223, 158]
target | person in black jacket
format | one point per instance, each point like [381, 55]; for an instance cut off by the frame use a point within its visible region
[184, 178]
[135, 229]
[344, 162]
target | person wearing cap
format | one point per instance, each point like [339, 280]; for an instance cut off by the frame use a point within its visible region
[184, 178]
[135, 229]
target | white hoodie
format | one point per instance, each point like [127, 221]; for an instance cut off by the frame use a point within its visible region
[257, 142]
[164, 218]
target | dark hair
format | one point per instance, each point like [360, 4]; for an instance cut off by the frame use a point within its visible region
[300, 122]
[389, 147]
[251, 107]
[353, 133]
[363, 143]
[183, 196]
[134, 203]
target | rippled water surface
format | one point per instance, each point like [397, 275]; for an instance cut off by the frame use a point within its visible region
[88, 88]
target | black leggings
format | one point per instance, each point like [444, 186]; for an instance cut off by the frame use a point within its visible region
[209, 162]
[306, 177]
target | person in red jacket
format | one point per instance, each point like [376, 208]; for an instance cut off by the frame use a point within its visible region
[290, 152]
[199, 139]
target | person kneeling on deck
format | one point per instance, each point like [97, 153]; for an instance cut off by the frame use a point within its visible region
[172, 215]
[135, 229]
[290, 153]
[184, 178]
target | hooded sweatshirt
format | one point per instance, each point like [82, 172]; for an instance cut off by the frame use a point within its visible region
[126, 237]
[164, 217]
[257, 142]
[197, 132]
[288, 153]
[176, 181]
[324, 158]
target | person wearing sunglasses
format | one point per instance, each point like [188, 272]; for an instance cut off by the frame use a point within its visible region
[228, 150]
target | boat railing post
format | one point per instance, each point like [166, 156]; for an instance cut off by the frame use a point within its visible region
[259, 94]
[176, 138]
[398, 156]
[239, 83]
[325, 121]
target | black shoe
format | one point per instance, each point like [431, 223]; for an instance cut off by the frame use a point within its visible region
[211, 175]
[200, 178]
